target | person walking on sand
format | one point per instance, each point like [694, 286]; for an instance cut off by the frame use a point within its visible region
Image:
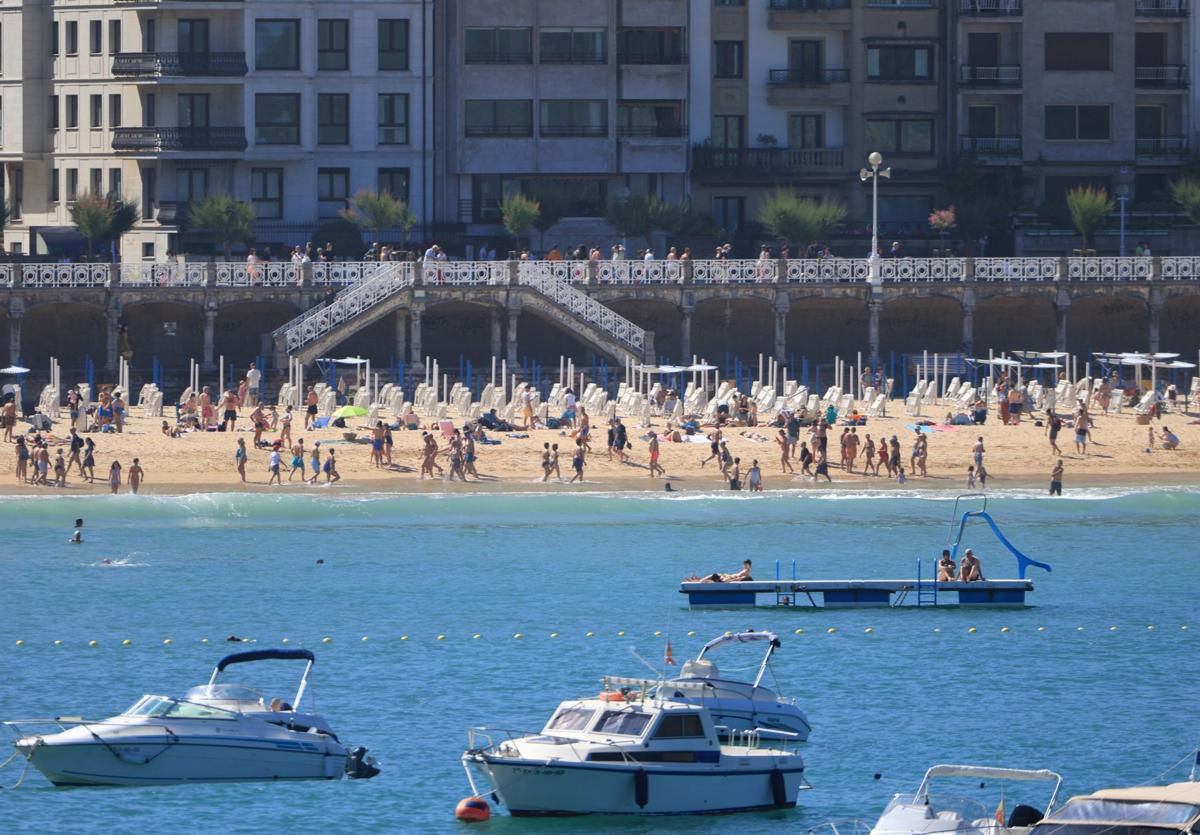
[60, 470]
[852, 443]
[253, 378]
[554, 462]
[735, 475]
[89, 460]
[1081, 433]
[822, 466]
[977, 454]
[785, 465]
[377, 444]
[714, 446]
[76, 448]
[546, 461]
[310, 409]
[239, 458]
[136, 476]
[1053, 427]
[469, 453]
[23, 459]
[870, 465]
[285, 427]
[1056, 476]
[726, 458]
[922, 453]
[315, 463]
[114, 477]
[806, 459]
[456, 458]
[275, 464]
[754, 476]
[577, 462]
[229, 416]
[331, 473]
[9, 418]
[893, 456]
[297, 460]
[655, 468]
[258, 420]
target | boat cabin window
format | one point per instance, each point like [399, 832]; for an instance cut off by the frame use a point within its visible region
[1083, 816]
[571, 719]
[619, 722]
[162, 706]
[679, 725]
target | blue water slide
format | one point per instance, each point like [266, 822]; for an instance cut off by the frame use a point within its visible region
[1023, 561]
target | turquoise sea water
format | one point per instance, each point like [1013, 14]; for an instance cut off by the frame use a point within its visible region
[1103, 706]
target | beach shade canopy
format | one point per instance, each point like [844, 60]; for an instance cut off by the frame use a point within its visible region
[351, 361]
[1044, 365]
[701, 366]
[1004, 362]
[1178, 364]
[1052, 355]
[1164, 356]
[14, 369]
[671, 369]
[1029, 355]
[349, 412]
[647, 369]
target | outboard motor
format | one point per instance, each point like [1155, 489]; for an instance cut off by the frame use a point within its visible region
[359, 766]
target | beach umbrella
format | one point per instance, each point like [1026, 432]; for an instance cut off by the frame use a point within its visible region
[1052, 355]
[349, 412]
[701, 366]
[671, 369]
[14, 369]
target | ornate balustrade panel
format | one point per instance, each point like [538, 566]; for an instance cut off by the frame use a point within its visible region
[164, 275]
[734, 272]
[922, 269]
[386, 281]
[270, 274]
[1016, 269]
[464, 273]
[1109, 269]
[575, 272]
[638, 272]
[801, 270]
[7, 271]
[343, 273]
[585, 307]
[64, 275]
[1180, 268]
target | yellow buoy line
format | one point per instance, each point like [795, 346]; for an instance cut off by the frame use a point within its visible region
[589, 634]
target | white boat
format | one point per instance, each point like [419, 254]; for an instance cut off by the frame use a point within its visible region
[736, 705]
[1142, 810]
[929, 812]
[214, 732]
[627, 754]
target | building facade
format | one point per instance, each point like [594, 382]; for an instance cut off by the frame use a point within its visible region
[292, 106]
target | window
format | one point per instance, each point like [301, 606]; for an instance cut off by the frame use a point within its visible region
[498, 46]
[333, 44]
[54, 38]
[729, 213]
[728, 59]
[191, 184]
[97, 181]
[651, 46]
[983, 120]
[193, 110]
[806, 130]
[504, 117]
[193, 36]
[333, 119]
[907, 209]
[571, 719]
[679, 725]
[72, 112]
[96, 107]
[277, 44]
[901, 136]
[114, 37]
[395, 182]
[114, 182]
[649, 118]
[17, 204]
[149, 35]
[566, 117]
[95, 33]
[1067, 123]
[1080, 51]
[393, 119]
[114, 110]
[72, 184]
[266, 192]
[1149, 120]
[572, 46]
[53, 196]
[393, 44]
[728, 131]
[149, 110]
[72, 38]
[149, 192]
[899, 63]
[620, 722]
[277, 119]
[148, 250]
[53, 112]
[333, 190]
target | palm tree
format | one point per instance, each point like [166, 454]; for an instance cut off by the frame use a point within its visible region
[379, 211]
[519, 213]
[1088, 206]
[798, 220]
[229, 220]
[92, 216]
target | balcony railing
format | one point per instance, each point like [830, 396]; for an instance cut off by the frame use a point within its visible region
[1161, 146]
[734, 163]
[808, 5]
[179, 63]
[665, 130]
[179, 139]
[581, 56]
[499, 56]
[1006, 75]
[808, 78]
[900, 4]
[1166, 75]
[655, 56]
[991, 146]
[1161, 8]
[990, 8]
[574, 131]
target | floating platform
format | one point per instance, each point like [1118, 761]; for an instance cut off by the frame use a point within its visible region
[856, 593]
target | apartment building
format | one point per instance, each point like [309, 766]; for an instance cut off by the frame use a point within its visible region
[1076, 93]
[292, 106]
[797, 93]
[587, 100]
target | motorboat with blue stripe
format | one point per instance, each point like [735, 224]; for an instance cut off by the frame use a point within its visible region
[736, 705]
[627, 752]
[216, 732]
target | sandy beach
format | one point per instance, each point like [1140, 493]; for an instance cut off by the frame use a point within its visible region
[1016, 456]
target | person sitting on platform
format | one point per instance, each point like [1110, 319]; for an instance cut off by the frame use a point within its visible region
[945, 567]
[717, 577]
[970, 570]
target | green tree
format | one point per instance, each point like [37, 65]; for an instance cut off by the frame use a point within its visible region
[93, 218]
[519, 214]
[691, 222]
[379, 211]
[799, 220]
[552, 207]
[1186, 192]
[124, 216]
[641, 217]
[345, 236]
[229, 220]
[1088, 206]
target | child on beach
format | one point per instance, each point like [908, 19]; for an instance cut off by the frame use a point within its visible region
[755, 477]
[971, 476]
[136, 476]
[655, 468]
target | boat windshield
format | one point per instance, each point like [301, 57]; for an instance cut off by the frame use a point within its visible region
[1085, 810]
[223, 693]
[966, 808]
[623, 723]
[571, 719]
[161, 706]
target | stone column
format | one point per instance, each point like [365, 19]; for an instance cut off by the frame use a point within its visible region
[685, 336]
[968, 322]
[112, 328]
[512, 339]
[414, 342]
[207, 364]
[874, 309]
[1062, 304]
[16, 312]
[782, 305]
[401, 326]
[1155, 307]
[497, 343]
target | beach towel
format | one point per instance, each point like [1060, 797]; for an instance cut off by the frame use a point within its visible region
[321, 422]
[928, 430]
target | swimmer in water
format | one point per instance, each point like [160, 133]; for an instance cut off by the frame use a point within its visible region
[77, 534]
[107, 561]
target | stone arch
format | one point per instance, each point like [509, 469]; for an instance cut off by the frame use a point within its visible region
[1179, 326]
[171, 331]
[662, 316]
[911, 324]
[68, 331]
[1108, 322]
[455, 328]
[376, 341]
[1014, 323]
[242, 330]
[820, 328]
[743, 328]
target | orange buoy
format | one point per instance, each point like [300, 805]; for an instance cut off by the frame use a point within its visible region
[472, 809]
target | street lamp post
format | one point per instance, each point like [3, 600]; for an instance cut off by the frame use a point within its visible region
[874, 160]
[1124, 177]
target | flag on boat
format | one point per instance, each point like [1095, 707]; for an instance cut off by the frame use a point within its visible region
[1000, 811]
[669, 659]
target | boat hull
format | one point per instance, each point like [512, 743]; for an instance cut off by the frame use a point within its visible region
[157, 762]
[538, 787]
